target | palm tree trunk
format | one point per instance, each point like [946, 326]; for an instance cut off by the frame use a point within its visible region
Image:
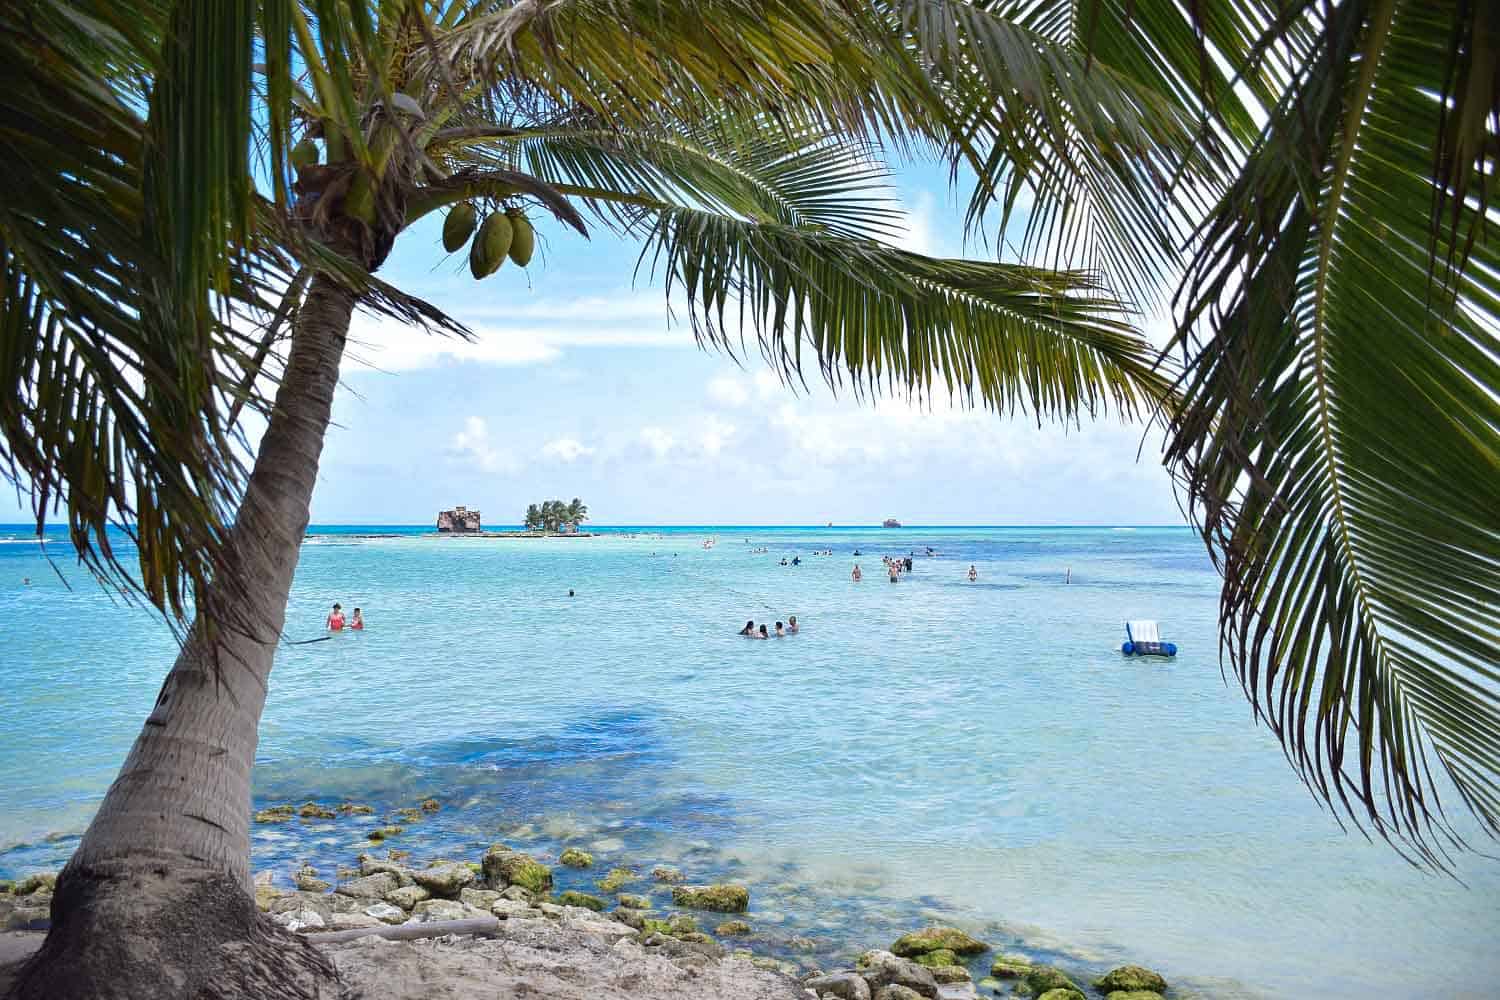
[157, 900]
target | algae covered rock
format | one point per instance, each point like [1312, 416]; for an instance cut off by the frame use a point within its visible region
[445, 879]
[429, 910]
[380, 833]
[351, 809]
[632, 918]
[630, 901]
[311, 810]
[33, 883]
[275, 814]
[991, 983]
[430, 805]
[574, 898]
[617, 879]
[895, 991]
[1130, 977]
[881, 968]
[946, 974]
[844, 985]
[386, 913]
[574, 858]
[377, 886]
[731, 928]
[723, 897]
[932, 959]
[484, 899]
[1041, 978]
[1010, 967]
[930, 939]
[307, 880]
[1133, 995]
[407, 897]
[265, 895]
[666, 873]
[504, 868]
[1062, 994]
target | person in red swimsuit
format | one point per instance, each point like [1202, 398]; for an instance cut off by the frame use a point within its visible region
[357, 622]
[336, 619]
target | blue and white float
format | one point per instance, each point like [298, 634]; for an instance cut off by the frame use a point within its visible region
[1142, 639]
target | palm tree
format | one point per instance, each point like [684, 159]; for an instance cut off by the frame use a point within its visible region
[577, 513]
[533, 517]
[1343, 472]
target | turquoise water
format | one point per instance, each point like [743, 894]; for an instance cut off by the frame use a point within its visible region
[975, 752]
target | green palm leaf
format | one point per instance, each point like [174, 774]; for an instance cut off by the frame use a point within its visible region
[1340, 435]
[1008, 336]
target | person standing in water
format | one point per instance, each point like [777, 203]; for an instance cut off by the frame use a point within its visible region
[762, 633]
[336, 619]
[973, 573]
[358, 622]
[780, 632]
[749, 628]
[791, 625]
[857, 575]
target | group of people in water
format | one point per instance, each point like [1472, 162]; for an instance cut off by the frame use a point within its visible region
[752, 631]
[896, 565]
[336, 622]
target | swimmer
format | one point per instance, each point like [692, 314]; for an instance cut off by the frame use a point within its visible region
[762, 633]
[749, 628]
[570, 591]
[796, 560]
[895, 573]
[358, 622]
[791, 625]
[857, 575]
[336, 619]
[780, 632]
[973, 573]
[25, 581]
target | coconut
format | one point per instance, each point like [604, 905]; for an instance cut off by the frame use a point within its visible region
[490, 245]
[524, 241]
[458, 226]
[304, 154]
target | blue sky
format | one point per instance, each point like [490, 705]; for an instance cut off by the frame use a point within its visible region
[579, 384]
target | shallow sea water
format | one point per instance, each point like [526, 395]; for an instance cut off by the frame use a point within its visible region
[979, 753]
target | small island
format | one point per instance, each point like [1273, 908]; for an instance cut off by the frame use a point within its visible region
[556, 517]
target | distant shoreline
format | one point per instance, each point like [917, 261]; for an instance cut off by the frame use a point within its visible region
[449, 534]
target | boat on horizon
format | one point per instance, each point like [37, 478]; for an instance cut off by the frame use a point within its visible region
[890, 522]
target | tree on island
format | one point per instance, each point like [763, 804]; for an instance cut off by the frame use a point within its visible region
[554, 515]
[1334, 428]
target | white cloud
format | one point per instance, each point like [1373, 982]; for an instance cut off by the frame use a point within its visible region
[389, 345]
[920, 237]
[714, 436]
[728, 391]
[767, 384]
[658, 440]
[566, 449]
[472, 444]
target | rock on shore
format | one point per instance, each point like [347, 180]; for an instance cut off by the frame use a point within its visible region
[560, 960]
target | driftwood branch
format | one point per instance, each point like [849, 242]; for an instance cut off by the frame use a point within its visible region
[486, 926]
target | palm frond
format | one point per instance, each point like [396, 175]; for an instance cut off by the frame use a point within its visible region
[880, 319]
[106, 379]
[750, 169]
[1340, 435]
